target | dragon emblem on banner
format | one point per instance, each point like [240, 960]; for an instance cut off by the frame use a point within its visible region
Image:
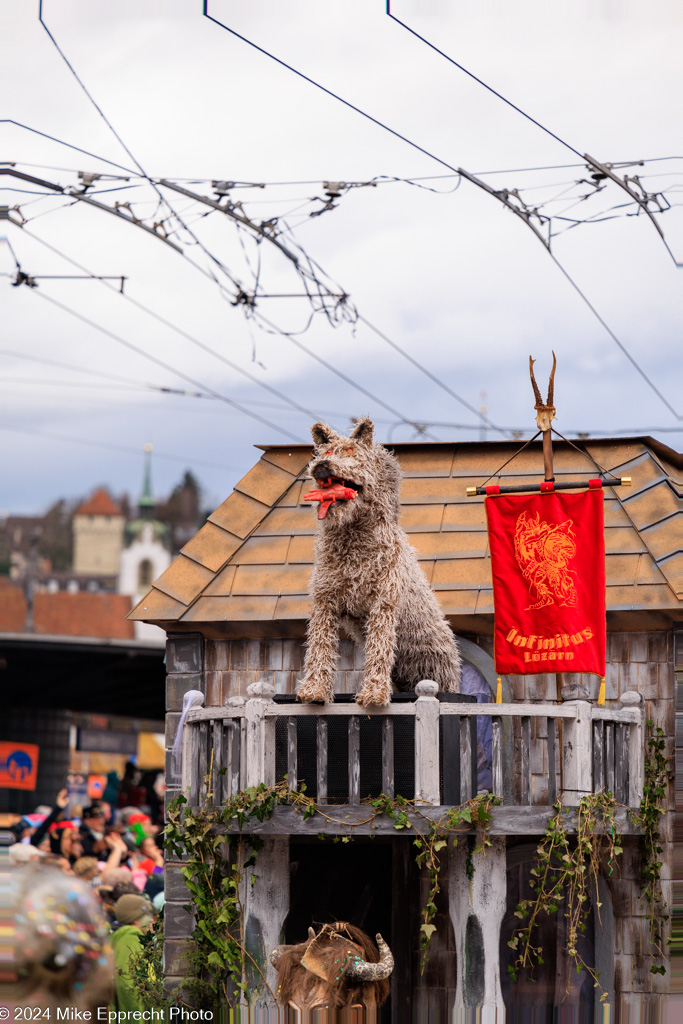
[543, 552]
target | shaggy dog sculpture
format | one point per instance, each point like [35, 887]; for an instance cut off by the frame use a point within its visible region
[366, 577]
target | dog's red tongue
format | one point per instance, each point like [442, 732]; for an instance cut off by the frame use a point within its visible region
[328, 495]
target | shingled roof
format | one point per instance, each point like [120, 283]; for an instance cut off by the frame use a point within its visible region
[246, 572]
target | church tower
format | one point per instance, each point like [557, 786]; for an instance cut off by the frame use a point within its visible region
[146, 553]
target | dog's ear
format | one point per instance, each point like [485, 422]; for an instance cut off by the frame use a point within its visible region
[321, 433]
[364, 430]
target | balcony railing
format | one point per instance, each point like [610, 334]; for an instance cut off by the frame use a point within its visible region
[426, 750]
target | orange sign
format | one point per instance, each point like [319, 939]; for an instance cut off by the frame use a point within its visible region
[96, 786]
[18, 765]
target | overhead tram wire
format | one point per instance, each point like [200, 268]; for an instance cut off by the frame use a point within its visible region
[69, 145]
[166, 366]
[115, 447]
[591, 163]
[450, 167]
[481, 82]
[162, 198]
[353, 384]
[614, 338]
[322, 88]
[484, 419]
[179, 330]
[234, 366]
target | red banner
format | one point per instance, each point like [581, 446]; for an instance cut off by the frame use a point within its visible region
[548, 565]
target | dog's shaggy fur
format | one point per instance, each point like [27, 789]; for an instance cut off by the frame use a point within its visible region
[366, 578]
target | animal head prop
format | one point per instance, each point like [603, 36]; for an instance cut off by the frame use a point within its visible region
[545, 411]
[340, 967]
[351, 473]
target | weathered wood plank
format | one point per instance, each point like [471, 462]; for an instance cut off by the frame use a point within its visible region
[218, 780]
[449, 732]
[636, 777]
[292, 752]
[577, 759]
[513, 821]
[204, 714]
[466, 755]
[427, 757]
[234, 756]
[354, 760]
[552, 766]
[203, 740]
[598, 755]
[321, 759]
[339, 710]
[388, 756]
[524, 765]
[624, 715]
[620, 764]
[497, 755]
[609, 756]
[473, 760]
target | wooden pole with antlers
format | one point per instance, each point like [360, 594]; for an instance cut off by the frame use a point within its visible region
[545, 414]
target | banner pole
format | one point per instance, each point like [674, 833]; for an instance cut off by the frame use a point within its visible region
[545, 414]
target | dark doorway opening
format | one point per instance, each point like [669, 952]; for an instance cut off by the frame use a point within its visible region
[347, 882]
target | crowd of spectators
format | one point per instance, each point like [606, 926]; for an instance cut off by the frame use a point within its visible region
[88, 885]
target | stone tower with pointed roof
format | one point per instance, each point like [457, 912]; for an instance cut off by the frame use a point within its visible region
[98, 535]
[146, 552]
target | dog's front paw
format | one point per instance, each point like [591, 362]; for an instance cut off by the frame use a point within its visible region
[377, 694]
[315, 690]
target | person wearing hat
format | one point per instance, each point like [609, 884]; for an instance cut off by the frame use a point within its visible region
[135, 915]
[92, 829]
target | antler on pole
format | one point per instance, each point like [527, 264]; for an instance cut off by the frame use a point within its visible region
[545, 414]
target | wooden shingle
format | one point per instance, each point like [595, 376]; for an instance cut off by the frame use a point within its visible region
[265, 482]
[252, 562]
[239, 514]
[184, 580]
[212, 546]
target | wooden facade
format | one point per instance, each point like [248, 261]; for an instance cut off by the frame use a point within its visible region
[235, 605]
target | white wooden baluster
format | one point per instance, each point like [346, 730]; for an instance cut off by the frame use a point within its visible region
[576, 753]
[427, 743]
[260, 735]
[636, 744]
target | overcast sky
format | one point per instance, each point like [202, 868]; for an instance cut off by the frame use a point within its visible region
[459, 282]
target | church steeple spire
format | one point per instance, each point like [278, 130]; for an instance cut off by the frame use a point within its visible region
[146, 502]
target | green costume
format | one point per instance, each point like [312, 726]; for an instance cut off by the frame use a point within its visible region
[126, 943]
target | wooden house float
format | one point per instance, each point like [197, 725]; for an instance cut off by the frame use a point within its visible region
[235, 604]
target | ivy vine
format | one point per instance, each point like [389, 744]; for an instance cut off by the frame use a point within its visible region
[568, 871]
[215, 865]
[648, 819]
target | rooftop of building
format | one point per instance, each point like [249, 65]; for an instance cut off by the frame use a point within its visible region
[83, 614]
[246, 572]
[100, 503]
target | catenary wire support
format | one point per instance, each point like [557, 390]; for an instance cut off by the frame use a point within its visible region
[643, 199]
[504, 196]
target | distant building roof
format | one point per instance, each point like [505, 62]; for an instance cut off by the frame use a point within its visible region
[12, 607]
[100, 504]
[247, 570]
[98, 615]
[83, 614]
